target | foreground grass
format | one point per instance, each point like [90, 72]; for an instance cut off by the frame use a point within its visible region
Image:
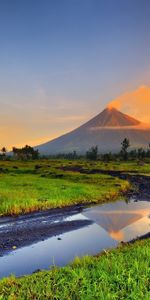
[30, 186]
[122, 273]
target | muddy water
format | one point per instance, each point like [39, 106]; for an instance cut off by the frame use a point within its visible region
[111, 223]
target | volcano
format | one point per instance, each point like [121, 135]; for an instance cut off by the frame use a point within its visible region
[111, 117]
[106, 130]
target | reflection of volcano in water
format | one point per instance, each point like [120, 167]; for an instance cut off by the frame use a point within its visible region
[115, 220]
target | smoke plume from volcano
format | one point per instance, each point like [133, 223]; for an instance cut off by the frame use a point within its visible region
[135, 103]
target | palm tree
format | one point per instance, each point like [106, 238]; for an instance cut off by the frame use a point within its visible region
[4, 151]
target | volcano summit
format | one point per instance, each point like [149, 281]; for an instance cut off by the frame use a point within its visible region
[106, 130]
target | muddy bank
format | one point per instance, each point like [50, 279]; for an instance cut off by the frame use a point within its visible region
[16, 232]
[145, 236]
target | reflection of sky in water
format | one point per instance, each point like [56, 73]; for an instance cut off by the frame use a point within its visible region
[89, 240]
[113, 222]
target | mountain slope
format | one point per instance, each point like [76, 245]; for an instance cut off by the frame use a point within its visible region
[111, 117]
[107, 130]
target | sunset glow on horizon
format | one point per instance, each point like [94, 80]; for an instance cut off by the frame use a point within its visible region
[63, 62]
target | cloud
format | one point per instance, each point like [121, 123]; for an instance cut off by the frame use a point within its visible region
[135, 103]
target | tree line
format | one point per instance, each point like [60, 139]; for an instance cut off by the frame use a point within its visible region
[123, 154]
[24, 153]
[29, 153]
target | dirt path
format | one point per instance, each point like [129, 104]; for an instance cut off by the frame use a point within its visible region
[16, 232]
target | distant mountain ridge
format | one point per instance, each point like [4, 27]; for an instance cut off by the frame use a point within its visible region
[106, 130]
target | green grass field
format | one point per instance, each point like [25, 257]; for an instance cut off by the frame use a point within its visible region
[30, 186]
[119, 274]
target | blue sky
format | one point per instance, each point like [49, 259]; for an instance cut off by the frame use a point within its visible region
[62, 61]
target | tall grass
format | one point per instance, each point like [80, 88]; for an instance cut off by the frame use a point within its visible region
[120, 274]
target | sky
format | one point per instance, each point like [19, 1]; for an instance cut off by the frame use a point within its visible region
[63, 61]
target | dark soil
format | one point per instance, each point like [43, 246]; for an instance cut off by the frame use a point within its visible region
[16, 232]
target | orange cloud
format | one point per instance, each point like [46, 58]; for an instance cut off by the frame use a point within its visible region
[135, 103]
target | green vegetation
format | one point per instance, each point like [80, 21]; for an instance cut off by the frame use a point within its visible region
[122, 273]
[33, 185]
[92, 154]
[27, 186]
[124, 150]
[25, 153]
